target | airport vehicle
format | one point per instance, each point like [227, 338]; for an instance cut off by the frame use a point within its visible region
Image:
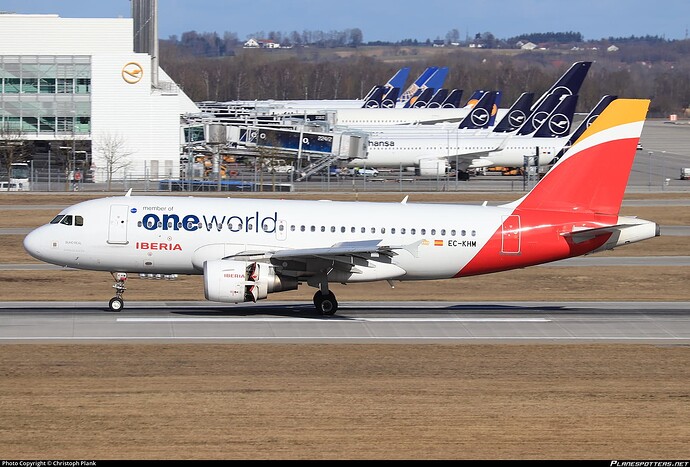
[18, 179]
[685, 173]
[249, 248]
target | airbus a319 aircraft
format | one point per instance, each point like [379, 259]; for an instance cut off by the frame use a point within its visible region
[249, 248]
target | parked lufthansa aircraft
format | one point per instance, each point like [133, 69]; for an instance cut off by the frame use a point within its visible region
[249, 248]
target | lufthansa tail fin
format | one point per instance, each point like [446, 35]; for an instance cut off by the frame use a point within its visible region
[437, 99]
[577, 182]
[422, 99]
[453, 99]
[538, 116]
[480, 115]
[559, 121]
[516, 115]
[569, 83]
[374, 98]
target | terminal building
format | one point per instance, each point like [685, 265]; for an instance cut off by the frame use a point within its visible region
[89, 93]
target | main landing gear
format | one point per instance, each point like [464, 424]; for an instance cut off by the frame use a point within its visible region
[325, 303]
[117, 303]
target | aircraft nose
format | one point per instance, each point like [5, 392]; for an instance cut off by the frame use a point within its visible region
[36, 243]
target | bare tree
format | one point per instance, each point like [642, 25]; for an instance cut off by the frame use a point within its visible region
[113, 150]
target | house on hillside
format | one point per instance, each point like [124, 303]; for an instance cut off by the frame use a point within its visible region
[261, 44]
[526, 45]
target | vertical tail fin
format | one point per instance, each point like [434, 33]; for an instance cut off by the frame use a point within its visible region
[516, 115]
[453, 99]
[374, 98]
[422, 99]
[558, 122]
[437, 99]
[414, 87]
[480, 115]
[593, 173]
[390, 98]
[569, 83]
[398, 79]
[538, 116]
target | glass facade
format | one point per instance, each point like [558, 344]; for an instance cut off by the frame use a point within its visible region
[46, 94]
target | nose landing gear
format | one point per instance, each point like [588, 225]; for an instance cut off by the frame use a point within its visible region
[117, 303]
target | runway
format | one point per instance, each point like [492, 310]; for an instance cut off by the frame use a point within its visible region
[665, 323]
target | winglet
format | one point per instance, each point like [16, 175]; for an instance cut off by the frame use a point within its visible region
[129, 193]
[404, 201]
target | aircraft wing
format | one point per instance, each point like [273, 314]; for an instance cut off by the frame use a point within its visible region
[357, 248]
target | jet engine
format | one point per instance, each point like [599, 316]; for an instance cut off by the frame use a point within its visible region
[232, 281]
[432, 167]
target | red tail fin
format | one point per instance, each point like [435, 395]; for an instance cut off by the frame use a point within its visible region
[593, 173]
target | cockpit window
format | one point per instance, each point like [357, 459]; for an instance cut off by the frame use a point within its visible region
[78, 220]
[57, 219]
[67, 220]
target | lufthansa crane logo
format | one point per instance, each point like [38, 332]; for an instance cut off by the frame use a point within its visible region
[132, 73]
[480, 117]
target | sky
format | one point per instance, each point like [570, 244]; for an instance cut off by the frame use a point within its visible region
[393, 20]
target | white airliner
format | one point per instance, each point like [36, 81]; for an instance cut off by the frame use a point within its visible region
[431, 153]
[249, 248]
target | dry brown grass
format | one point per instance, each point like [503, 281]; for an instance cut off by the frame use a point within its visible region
[344, 401]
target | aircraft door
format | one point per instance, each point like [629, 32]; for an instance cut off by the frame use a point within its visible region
[117, 227]
[510, 235]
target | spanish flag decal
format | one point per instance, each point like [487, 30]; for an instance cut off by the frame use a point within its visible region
[438, 242]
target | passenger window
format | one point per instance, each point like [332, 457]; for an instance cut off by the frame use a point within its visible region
[323, 228]
[433, 231]
[78, 220]
[423, 231]
[413, 231]
[402, 231]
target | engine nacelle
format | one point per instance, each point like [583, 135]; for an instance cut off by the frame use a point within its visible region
[432, 167]
[232, 281]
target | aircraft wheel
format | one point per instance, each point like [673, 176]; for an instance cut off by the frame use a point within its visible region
[116, 304]
[325, 304]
